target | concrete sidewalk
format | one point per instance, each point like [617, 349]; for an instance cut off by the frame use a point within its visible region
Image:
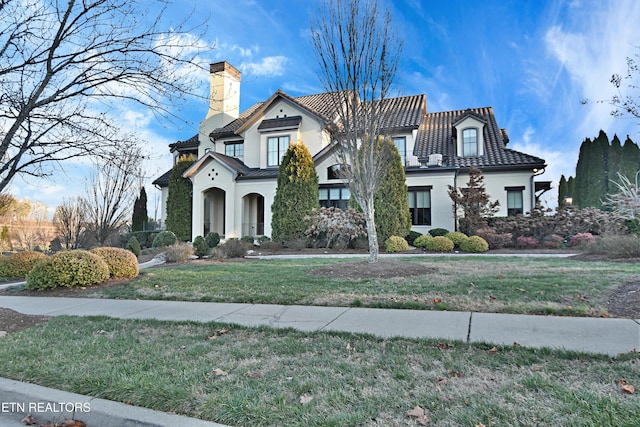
[602, 336]
[592, 335]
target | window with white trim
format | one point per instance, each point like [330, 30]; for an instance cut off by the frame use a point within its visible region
[276, 148]
[470, 142]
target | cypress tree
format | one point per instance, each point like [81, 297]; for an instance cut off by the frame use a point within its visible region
[563, 192]
[582, 171]
[614, 162]
[630, 163]
[571, 185]
[296, 194]
[392, 216]
[179, 200]
[139, 211]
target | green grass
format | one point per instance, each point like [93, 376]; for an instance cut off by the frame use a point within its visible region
[511, 285]
[352, 379]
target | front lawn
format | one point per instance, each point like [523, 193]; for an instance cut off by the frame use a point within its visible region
[265, 377]
[556, 286]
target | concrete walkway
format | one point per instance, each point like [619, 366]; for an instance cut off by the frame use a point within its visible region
[600, 336]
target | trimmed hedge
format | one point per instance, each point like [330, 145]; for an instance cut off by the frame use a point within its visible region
[396, 244]
[474, 244]
[164, 238]
[77, 268]
[457, 237]
[200, 247]
[435, 232]
[422, 241]
[121, 262]
[20, 263]
[133, 245]
[440, 244]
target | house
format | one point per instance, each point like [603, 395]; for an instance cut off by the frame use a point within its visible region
[238, 154]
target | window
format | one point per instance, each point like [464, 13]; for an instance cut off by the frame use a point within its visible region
[334, 172]
[420, 206]
[276, 148]
[514, 201]
[234, 149]
[401, 144]
[470, 142]
[335, 196]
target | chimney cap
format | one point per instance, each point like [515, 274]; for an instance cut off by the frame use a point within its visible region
[224, 66]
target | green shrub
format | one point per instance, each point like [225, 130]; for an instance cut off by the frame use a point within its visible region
[133, 245]
[232, 248]
[422, 241]
[77, 268]
[411, 237]
[20, 263]
[396, 244]
[145, 238]
[456, 237]
[212, 239]
[164, 238]
[121, 262]
[439, 244]
[248, 239]
[178, 252]
[200, 247]
[438, 232]
[474, 244]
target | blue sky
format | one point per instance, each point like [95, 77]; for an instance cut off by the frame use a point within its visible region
[532, 61]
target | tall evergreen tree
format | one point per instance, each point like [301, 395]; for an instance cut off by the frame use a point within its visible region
[591, 172]
[563, 191]
[630, 163]
[179, 200]
[296, 194]
[571, 186]
[139, 211]
[392, 216]
[614, 162]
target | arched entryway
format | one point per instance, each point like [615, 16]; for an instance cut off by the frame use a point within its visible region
[253, 215]
[214, 211]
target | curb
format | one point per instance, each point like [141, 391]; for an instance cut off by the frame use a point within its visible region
[19, 399]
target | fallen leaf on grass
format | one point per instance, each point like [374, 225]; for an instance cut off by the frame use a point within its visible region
[456, 374]
[255, 374]
[305, 399]
[444, 346]
[219, 372]
[101, 332]
[437, 300]
[493, 350]
[628, 388]
[216, 334]
[419, 414]
[480, 425]
[522, 290]
[491, 297]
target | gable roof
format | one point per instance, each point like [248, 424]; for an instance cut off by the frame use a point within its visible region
[436, 133]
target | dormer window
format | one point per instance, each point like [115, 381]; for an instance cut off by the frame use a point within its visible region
[470, 142]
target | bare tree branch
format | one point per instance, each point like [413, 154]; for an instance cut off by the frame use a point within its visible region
[358, 54]
[66, 67]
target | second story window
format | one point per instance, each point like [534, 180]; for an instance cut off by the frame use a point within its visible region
[470, 142]
[234, 149]
[276, 148]
[401, 145]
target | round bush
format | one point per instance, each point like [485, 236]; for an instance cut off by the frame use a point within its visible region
[212, 239]
[200, 247]
[422, 241]
[439, 244]
[164, 238]
[456, 237]
[76, 268]
[411, 237]
[178, 252]
[20, 263]
[581, 239]
[133, 245]
[396, 244]
[121, 262]
[438, 232]
[474, 244]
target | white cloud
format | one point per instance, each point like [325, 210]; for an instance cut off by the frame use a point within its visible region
[557, 163]
[269, 66]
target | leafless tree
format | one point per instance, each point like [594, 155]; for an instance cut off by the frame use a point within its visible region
[69, 219]
[66, 66]
[358, 54]
[110, 193]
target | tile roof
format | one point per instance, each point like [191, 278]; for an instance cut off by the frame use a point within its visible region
[163, 180]
[403, 112]
[230, 129]
[435, 136]
[192, 142]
